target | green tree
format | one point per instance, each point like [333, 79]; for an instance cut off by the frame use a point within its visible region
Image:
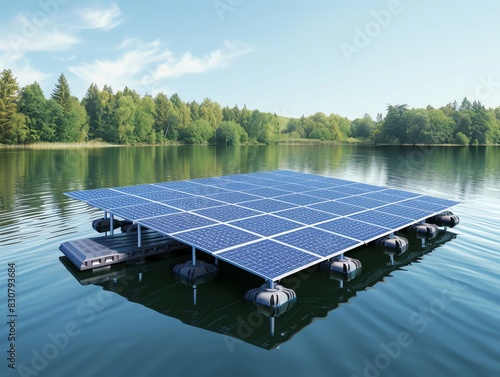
[95, 111]
[9, 96]
[144, 121]
[395, 124]
[362, 127]
[33, 104]
[230, 133]
[166, 119]
[61, 93]
[197, 132]
[211, 112]
[123, 119]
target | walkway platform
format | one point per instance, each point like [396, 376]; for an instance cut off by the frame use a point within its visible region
[99, 252]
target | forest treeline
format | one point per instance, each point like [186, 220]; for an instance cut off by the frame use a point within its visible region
[125, 117]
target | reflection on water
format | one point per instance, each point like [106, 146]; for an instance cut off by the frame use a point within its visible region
[219, 306]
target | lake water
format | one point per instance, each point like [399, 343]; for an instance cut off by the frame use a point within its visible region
[435, 311]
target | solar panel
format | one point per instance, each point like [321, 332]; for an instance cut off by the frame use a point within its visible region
[92, 194]
[267, 205]
[117, 201]
[138, 189]
[227, 213]
[266, 192]
[354, 229]
[137, 212]
[193, 203]
[269, 223]
[268, 259]
[337, 208]
[362, 202]
[305, 215]
[233, 197]
[382, 219]
[177, 222]
[318, 241]
[216, 238]
[300, 199]
[266, 225]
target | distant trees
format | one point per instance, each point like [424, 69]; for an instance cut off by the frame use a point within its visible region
[125, 117]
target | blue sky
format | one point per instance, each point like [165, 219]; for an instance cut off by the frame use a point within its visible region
[286, 56]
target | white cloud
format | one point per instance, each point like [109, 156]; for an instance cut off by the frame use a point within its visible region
[188, 64]
[146, 64]
[104, 19]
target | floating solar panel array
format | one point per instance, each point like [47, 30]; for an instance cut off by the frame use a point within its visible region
[272, 224]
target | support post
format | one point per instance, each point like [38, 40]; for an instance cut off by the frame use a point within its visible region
[271, 284]
[105, 216]
[138, 235]
[112, 224]
[193, 256]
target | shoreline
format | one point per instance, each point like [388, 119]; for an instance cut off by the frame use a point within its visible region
[98, 144]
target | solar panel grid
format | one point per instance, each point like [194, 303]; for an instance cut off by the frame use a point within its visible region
[234, 216]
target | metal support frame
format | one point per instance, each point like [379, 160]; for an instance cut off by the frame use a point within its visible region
[139, 235]
[193, 255]
[112, 224]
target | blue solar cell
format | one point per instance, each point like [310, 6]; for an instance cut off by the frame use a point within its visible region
[299, 199]
[227, 213]
[266, 225]
[177, 185]
[253, 180]
[193, 203]
[177, 222]
[319, 184]
[354, 229]
[216, 238]
[143, 211]
[337, 208]
[92, 194]
[238, 186]
[287, 178]
[327, 194]
[266, 192]
[267, 205]
[292, 187]
[117, 201]
[233, 197]
[138, 189]
[382, 196]
[405, 211]
[317, 241]
[210, 181]
[268, 259]
[305, 215]
[164, 194]
[204, 190]
[382, 219]
[362, 202]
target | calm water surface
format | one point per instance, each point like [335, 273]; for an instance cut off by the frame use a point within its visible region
[433, 312]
